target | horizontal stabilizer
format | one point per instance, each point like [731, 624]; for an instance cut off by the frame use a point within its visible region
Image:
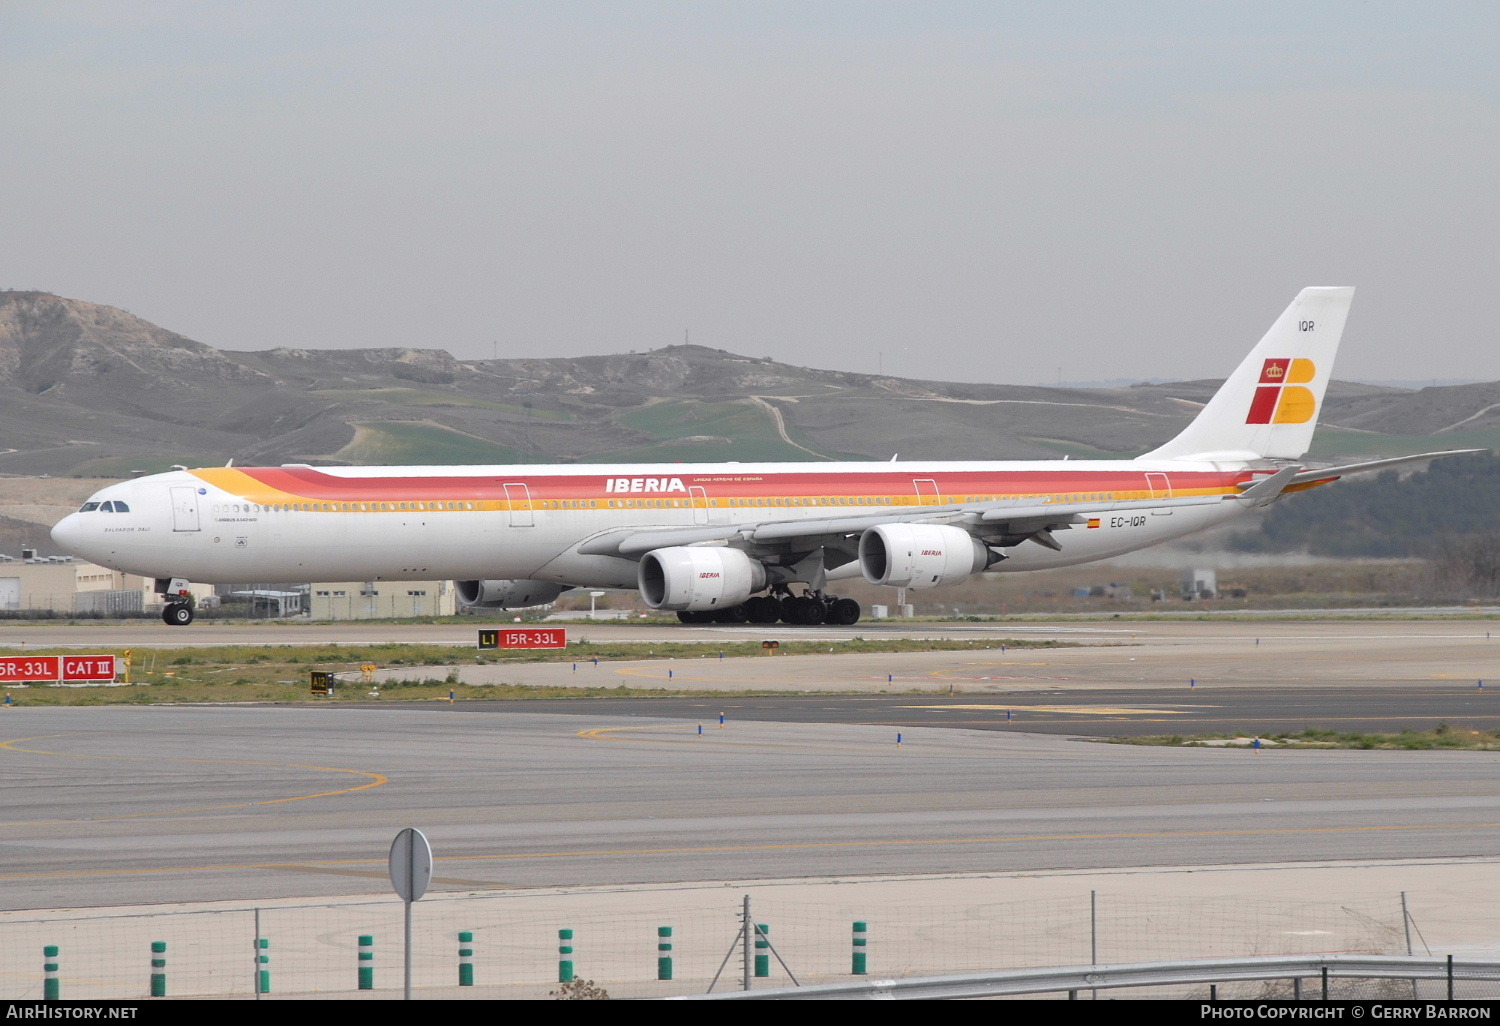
[1269, 489]
[1333, 473]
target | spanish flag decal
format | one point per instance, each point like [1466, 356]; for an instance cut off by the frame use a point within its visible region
[1279, 396]
[1094, 522]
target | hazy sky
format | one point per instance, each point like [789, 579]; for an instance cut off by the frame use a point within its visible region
[968, 191]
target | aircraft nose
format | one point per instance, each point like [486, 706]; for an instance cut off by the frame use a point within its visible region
[68, 533]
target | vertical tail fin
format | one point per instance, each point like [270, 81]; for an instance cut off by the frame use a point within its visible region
[1269, 406]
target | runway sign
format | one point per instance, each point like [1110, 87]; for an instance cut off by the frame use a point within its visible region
[90, 667]
[57, 668]
[19, 668]
[534, 637]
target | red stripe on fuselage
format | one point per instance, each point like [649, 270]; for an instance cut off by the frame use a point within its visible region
[314, 484]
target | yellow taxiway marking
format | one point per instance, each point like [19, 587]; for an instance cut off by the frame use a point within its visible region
[1082, 710]
[375, 780]
[597, 734]
[803, 846]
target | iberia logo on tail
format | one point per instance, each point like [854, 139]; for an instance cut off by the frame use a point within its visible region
[1280, 397]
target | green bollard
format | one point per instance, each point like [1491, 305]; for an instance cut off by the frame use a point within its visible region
[762, 945]
[564, 956]
[859, 968]
[663, 952]
[50, 983]
[466, 959]
[158, 968]
[366, 961]
[262, 965]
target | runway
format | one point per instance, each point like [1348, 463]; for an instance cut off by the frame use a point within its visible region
[1077, 712]
[111, 806]
[1267, 625]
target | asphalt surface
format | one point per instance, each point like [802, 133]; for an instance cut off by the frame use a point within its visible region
[124, 805]
[1119, 713]
[152, 633]
[110, 806]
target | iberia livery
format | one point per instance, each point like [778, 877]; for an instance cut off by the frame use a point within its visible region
[729, 542]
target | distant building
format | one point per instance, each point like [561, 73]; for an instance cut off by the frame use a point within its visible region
[375, 600]
[1199, 584]
[67, 585]
[270, 602]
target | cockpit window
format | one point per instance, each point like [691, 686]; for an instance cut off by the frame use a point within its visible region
[120, 507]
[88, 507]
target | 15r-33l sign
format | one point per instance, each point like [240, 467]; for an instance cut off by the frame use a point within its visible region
[524, 637]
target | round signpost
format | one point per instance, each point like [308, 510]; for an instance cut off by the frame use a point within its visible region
[411, 872]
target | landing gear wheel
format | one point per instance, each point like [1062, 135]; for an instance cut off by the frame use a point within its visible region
[178, 614]
[730, 614]
[695, 616]
[763, 609]
[844, 612]
[809, 611]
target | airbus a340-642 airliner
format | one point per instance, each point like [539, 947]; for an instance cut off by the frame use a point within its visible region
[728, 541]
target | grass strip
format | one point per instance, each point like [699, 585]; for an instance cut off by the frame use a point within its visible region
[1441, 737]
[279, 673]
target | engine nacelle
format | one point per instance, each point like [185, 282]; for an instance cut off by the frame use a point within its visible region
[920, 555]
[507, 594]
[698, 578]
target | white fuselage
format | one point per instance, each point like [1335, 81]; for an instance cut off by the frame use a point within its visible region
[424, 523]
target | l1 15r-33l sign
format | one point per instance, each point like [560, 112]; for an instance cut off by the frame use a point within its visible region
[529, 637]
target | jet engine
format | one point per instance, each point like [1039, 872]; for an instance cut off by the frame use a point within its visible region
[698, 578]
[920, 555]
[507, 594]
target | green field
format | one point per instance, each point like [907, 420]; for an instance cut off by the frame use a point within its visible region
[1333, 442]
[403, 443]
[125, 466]
[1078, 450]
[419, 397]
[750, 429]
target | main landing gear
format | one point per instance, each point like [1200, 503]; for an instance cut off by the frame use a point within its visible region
[177, 614]
[809, 610]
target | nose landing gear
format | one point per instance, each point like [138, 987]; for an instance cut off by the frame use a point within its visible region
[178, 611]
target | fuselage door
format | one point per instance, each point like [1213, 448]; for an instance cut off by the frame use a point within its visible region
[518, 497]
[927, 491]
[700, 504]
[184, 508]
[1161, 488]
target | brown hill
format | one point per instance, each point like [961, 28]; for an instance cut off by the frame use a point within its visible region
[90, 390]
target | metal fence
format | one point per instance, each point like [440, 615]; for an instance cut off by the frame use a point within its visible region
[313, 950]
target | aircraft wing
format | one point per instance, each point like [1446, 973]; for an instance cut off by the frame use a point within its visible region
[1012, 520]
